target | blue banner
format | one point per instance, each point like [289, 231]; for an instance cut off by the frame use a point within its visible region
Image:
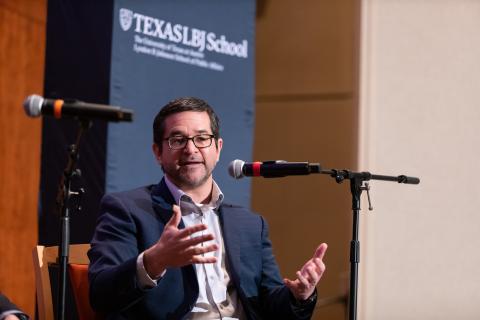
[163, 50]
[141, 55]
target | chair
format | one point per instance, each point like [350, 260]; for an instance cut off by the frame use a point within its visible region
[77, 268]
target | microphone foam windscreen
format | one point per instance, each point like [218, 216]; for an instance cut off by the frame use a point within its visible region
[33, 105]
[235, 169]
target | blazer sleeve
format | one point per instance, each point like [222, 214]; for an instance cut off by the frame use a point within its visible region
[277, 300]
[113, 255]
[7, 307]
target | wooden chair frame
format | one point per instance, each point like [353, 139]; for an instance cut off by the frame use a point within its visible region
[42, 258]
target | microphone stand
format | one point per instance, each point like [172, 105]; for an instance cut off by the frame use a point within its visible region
[357, 185]
[65, 203]
[280, 168]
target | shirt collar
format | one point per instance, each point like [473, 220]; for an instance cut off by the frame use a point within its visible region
[179, 195]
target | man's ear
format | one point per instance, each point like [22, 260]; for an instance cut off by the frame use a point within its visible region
[157, 152]
[219, 147]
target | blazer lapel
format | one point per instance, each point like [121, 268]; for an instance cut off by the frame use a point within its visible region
[163, 201]
[231, 238]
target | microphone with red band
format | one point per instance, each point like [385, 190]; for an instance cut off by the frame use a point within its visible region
[279, 168]
[271, 169]
[36, 106]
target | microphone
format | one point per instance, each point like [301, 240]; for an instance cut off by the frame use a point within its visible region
[36, 106]
[271, 169]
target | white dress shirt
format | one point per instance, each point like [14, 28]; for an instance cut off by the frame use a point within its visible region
[217, 297]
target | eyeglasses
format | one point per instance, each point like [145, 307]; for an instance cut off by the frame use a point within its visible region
[200, 141]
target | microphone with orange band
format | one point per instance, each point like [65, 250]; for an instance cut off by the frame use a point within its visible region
[36, 106]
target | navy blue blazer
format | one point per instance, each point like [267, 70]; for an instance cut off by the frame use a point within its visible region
[132, 221]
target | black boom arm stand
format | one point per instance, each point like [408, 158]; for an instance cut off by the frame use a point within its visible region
[357, 185]
[68, 200]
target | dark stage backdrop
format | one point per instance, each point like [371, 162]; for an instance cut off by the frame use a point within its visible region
[140, 55]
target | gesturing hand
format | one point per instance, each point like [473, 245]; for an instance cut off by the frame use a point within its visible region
[308, 277]
[176, 248]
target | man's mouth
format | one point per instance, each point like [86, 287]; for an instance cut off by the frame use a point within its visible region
[191, 163]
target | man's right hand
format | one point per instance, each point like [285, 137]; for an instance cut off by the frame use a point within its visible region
[176, 248]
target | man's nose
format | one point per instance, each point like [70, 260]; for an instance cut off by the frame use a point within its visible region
[190, 147]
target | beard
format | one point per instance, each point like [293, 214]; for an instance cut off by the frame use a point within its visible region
[188, 176]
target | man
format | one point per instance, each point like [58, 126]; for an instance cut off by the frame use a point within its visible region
[9, 311]
[176, 250]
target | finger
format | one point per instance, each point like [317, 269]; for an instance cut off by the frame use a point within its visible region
[314, 263]
[302, 279]
[289, 283]
[203, 260]
[320, 251]
[175, 219]
[312, 277]
[197, 240]
[198, 250]
[191, 230]
[319, 266]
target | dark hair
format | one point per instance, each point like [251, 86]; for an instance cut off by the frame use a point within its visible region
[182, 105]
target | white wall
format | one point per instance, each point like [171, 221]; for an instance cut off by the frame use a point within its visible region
[420, 115]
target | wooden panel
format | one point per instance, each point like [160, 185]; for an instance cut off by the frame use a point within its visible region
[306, 47]
[307, 84]
[22, 44]
[304, 211]
[29, 10]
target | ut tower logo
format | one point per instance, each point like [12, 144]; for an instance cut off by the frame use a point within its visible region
[126, 18]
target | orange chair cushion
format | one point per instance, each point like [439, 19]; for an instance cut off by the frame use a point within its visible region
[79, 279]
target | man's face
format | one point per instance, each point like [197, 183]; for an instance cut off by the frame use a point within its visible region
[190, 167]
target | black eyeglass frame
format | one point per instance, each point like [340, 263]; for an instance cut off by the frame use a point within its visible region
[211, 136]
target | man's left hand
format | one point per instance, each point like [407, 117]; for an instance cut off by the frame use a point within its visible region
[307, 278]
